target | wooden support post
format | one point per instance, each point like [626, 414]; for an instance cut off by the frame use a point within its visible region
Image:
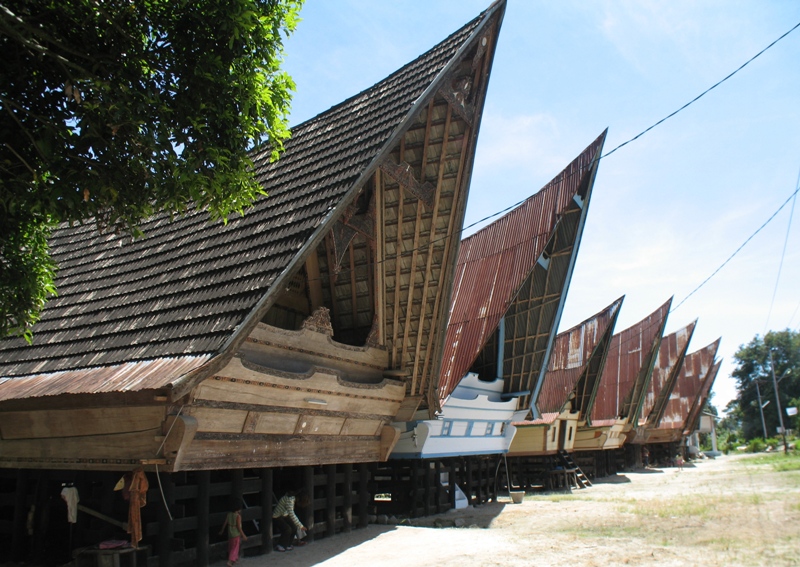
[437, 479]
[468, 487]
[452, 481]
[237, 483]
[266, 511]
[20, 515]
[41, 517]
[426, 506]
[480, 492]
[414, 488]
[330, 500]
[165, 528]
[363, 495]
[308, 514]
[347, 502]
[203, 521]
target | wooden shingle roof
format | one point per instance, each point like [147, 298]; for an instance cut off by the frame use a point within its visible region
[187, 289]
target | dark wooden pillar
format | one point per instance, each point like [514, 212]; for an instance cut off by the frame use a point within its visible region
[330, 500]
[363, 495]
[237, 486]
[308, 514]
[437, 479]
[347, 502]
[20, 516]
[414, 488]
[266, 511]
[426, 469]
[165, 527]
[452, 481]
[468, 487]
[203, 520]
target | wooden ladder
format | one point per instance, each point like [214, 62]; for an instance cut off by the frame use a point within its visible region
[567, 461]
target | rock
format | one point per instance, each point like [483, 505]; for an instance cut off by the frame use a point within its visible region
[382, 519]
[393, 521]
[459, 522]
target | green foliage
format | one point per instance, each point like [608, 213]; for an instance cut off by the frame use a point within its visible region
[756, 445]
[754, 365]
[114, 111]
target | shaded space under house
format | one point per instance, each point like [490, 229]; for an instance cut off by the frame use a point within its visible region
[265, 354]
[510, 285]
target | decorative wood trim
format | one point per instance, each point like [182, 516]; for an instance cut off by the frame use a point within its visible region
[319, 322]
[343, 236]
[180, 431]
[256, 409]
[398, 250]
[456, 91]
[389, 438]
[380, 258]
[403, 173]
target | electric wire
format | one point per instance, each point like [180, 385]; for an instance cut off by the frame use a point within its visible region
[749, 238]
[783, 255]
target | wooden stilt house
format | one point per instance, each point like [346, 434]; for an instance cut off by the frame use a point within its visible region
[292, 335]
[510, 284]
[624, 382]
[665, 375]
[570, 386]
[694, 381]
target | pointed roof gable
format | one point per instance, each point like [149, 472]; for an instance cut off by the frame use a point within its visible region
[190, 289]
[573, 352]
[697, 409]
[630, 361]
[495, 262]
[695, 371]
[665, 373]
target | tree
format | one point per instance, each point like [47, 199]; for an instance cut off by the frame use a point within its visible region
[112, 111]
[754, 365]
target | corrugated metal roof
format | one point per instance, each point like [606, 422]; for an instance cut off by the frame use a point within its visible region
[693, 376]
[494, 263]
[186, 288]
[665, 372]
[697, 409]
[628, 366]
[127, 377]
[572, 352]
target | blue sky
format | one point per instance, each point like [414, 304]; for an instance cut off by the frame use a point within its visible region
[668, 209]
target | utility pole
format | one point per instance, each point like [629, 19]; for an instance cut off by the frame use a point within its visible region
[761, 410]
[778, 402]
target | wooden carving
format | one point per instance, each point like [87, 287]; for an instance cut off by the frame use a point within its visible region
[404, 175]
[456, 91]
[342, 237]
[320, 322]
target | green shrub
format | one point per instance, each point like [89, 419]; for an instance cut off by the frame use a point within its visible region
[756, 445]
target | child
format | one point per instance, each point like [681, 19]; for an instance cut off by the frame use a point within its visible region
[233, 521]
[679, 462]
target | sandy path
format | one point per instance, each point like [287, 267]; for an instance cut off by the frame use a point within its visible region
[722, 512]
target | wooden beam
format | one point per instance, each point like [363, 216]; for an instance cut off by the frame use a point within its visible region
[314, 281]
[380, 266]
[347, 500]
[403, 173]
[353, 293]
[398, 249]
[332, 273]
[415, 376]
[330, 500]
[266, 510]
[203, 520]
[363, 495]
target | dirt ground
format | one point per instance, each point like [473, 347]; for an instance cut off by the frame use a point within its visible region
[729, 511]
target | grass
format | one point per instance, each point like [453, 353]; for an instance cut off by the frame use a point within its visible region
[778, 461]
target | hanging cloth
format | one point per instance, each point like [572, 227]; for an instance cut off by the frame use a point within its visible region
[138, 498]
[69, 494]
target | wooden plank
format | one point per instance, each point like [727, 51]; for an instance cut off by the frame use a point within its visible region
[330, 500]
[123, 446]
[277, 423]
[431, 251]
[79, 422]
[353, 290]
[380, 252]
[394, 362]
[314, 281]
[165, 527]
[347, 497]
[266, 510]
[354, 426]
[363, 494]
[209, 454]
[307, 514]
[319, 425]
[212, 419]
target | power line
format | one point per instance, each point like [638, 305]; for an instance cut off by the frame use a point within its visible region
[705, 281]
[783, 254]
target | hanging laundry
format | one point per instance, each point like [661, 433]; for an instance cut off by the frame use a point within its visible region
[138, 498]
[69, 494]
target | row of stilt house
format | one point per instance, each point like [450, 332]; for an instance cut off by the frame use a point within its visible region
[338, 338]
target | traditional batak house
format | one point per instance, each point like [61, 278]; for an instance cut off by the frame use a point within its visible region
[570, 386]
[290, 336]
[685, 403]
[665, 374]
[568, 392]
[511, 280]
[621, 393]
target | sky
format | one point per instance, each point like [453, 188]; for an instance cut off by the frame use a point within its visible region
[668, 209]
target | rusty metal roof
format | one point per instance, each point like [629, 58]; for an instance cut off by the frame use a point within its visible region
[628, 366]
[665, 373]
[573, 352]
[694, 374]
[495, 262]
[697, 409]
[127, 377]
[182, 292]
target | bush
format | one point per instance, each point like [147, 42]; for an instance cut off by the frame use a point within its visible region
[756, 445]
[773, 443]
